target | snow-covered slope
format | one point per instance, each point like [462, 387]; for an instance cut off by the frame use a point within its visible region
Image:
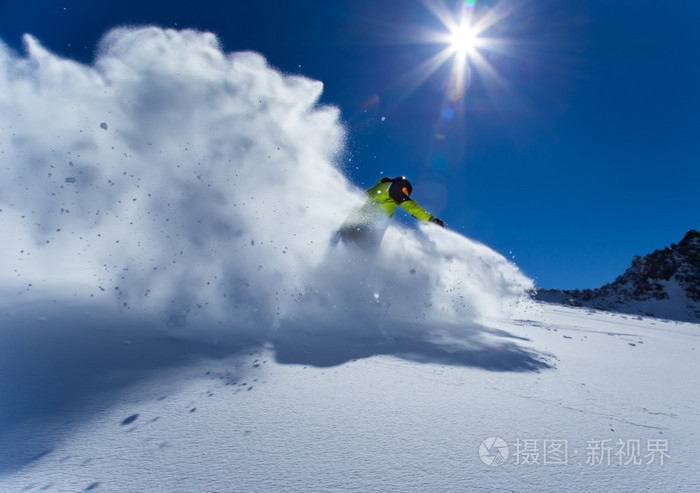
[665, 283]
[582, 400]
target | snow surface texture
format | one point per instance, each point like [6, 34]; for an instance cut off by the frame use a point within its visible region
[618, 413]
[665, 283]
[173, 318]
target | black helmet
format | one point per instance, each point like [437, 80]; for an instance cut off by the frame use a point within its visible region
[403, 183]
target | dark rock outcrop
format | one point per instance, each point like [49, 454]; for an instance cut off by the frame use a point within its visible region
[665, 283]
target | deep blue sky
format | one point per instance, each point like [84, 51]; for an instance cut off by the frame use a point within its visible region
[577, 152]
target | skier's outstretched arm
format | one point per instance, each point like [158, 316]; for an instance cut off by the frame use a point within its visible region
[419, 213]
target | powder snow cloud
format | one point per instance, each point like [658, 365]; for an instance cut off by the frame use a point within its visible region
[198, 187]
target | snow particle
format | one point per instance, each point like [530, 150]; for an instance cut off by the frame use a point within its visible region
[130, 419]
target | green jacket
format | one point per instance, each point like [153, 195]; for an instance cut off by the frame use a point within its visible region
[387, 197]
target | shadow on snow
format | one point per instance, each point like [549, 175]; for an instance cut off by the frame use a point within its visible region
[60, 365]
[470, 346]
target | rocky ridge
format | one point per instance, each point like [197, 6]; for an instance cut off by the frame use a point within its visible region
[664, 284]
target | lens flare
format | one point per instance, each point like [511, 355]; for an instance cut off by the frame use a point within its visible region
[467, 44]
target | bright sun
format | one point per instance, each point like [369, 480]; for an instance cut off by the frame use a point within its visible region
[463, 39]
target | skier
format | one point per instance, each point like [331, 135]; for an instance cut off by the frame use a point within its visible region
[367, 224]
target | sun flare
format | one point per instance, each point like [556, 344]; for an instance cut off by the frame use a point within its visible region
[463, 37]
[469, 40]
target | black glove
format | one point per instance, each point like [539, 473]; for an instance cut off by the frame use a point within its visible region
[437, 221]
